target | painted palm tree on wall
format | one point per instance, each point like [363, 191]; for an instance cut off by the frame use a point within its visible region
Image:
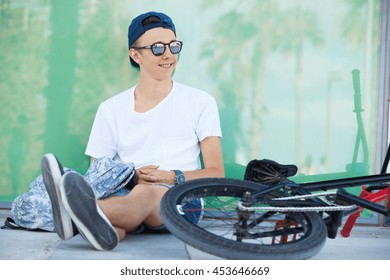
[241, 40]
[301, 28]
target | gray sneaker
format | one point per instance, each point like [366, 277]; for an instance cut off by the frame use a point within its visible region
[80, 201]
[52, 172]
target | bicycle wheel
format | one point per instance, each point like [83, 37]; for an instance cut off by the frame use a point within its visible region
[218, 231]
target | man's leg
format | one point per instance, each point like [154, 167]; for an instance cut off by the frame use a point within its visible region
[141, 205]
[80, 202]
[52, 172]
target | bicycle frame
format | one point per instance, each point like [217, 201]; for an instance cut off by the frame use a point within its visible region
[341, 184]
[367, 199]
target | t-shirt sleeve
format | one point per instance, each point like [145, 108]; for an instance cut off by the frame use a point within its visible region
[101, 141]
[208, 118]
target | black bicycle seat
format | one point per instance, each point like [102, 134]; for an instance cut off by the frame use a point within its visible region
[269, 172]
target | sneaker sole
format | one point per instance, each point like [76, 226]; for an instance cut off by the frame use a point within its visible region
[79, 199]
[51, 175]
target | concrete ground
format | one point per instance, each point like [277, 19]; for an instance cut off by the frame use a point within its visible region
[365, 243]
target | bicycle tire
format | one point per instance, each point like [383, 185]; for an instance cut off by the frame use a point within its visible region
[215, 240]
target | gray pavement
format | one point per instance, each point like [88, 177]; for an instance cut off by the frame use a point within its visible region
[365, 243]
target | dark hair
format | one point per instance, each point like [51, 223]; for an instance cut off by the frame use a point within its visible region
[150, 20]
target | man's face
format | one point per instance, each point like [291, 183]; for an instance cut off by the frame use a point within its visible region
[161, 66]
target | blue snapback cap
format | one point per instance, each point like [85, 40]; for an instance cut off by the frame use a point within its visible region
[139, 26]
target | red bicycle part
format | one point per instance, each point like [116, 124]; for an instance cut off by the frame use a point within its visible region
[373, 197]
[283, 225]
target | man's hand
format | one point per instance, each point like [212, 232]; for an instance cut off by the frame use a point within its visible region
[150, 174]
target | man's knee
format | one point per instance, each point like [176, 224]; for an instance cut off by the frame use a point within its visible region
[142, 191]
[140, 188]
[148, 191]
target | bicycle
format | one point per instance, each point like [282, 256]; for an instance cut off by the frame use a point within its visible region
[268, 216]
[250, 220]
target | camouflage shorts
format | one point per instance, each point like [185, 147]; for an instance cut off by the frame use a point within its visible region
[33, 210]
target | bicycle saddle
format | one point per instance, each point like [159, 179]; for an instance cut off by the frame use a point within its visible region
[269, 172]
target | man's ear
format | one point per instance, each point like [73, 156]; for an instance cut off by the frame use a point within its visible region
[134, 55]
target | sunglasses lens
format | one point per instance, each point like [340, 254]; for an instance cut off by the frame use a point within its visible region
[158, 49]
[175, 47]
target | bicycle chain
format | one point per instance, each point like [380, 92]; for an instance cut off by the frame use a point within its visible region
[335, 207]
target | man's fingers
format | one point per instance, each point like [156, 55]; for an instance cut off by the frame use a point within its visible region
[148, 168]
[151, 178]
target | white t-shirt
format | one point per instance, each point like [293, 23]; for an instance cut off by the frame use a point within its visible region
[167, 135]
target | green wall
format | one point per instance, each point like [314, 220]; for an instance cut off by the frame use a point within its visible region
[280, 71]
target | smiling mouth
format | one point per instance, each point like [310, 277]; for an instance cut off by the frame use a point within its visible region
[167, 65]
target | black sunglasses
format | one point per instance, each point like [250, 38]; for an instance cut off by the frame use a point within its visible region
[159, 47]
